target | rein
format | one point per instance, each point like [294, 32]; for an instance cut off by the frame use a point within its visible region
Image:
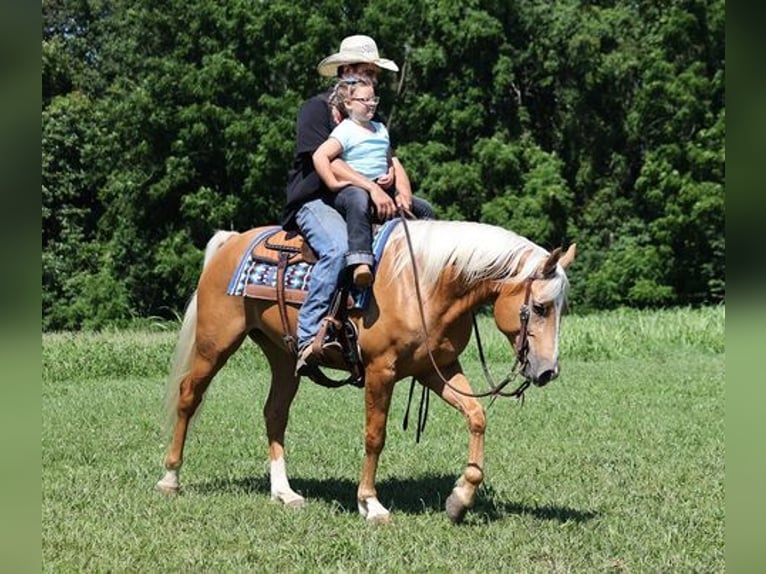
[522, 344]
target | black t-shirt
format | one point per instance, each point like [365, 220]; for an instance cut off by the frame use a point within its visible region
[314, 126]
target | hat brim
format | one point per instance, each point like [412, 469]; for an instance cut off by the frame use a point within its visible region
[329, 66]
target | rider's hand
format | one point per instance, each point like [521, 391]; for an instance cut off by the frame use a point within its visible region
[387, 179]
[384, 205]
[404, 201]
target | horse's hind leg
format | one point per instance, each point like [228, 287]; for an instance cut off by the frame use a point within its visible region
[464, 492]
[209, 350]
[284, 385]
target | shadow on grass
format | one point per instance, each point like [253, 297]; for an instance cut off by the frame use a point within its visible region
[417, 495]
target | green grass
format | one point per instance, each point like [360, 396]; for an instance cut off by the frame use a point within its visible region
[616, 466]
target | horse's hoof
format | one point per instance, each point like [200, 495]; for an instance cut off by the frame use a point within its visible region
[290, 500]
[169, 483]
[379, 519]
[373, 511]
[166, 489]
[456, 510]
[296, 503]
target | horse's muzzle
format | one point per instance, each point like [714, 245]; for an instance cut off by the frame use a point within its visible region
[544, 377]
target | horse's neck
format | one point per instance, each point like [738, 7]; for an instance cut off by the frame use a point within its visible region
[454, 300]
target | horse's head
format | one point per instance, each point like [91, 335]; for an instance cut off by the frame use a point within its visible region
[529, 314]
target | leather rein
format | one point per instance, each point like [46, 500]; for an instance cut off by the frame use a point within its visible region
[521, 348]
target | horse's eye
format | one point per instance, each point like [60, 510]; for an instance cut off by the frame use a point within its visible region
[539, 309]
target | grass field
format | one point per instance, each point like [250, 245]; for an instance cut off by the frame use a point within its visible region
[616, 466]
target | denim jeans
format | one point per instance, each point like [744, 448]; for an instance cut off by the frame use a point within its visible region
[325, 230]
[354, 204]
[422, 209]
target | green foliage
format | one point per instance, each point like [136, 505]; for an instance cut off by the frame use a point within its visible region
[538, 207]
[601, 123]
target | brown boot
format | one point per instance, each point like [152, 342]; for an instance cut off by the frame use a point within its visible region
[362, 276]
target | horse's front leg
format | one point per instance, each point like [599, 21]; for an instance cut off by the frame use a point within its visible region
[378, 392]
[464, 492]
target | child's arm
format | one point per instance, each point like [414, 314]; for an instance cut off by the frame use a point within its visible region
[322, 157]
[384, 205]
[330, 170]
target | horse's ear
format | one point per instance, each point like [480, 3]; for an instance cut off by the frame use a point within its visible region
[549, 267]
[569, 256]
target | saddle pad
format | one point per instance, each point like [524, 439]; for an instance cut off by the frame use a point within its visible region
[257, 279]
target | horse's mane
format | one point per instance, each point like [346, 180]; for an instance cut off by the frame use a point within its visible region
[476, 252]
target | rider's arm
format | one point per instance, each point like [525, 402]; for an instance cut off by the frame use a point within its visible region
[384, 205]
[403, 185]
[322, 157]
[342, 170]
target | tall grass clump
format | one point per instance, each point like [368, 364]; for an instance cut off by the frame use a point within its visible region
[77, 355]
[131, 353]
[608, 335]
[621, 333]
[643, 333]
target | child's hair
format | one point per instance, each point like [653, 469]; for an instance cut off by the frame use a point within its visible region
[344, 90]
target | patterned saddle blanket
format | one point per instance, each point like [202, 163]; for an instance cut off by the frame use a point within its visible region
[256, 274]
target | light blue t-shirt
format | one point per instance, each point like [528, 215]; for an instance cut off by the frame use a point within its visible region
[364, 150]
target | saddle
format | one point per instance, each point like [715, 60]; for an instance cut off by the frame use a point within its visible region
[282, 244]
[336, 344]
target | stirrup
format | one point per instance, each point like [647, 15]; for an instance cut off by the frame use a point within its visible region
[307, 357]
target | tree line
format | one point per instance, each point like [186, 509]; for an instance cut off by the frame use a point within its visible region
[600, 122]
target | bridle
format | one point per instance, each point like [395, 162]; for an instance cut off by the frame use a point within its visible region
[521, 347]
[495, 389]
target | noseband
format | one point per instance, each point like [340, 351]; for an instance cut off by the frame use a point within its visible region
[522, 343]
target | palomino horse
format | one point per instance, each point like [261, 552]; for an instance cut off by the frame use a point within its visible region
[460, 266]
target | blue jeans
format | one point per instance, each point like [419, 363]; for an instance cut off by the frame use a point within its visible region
[355, 205]
[325, 230]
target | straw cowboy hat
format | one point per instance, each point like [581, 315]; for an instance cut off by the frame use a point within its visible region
[355, 50]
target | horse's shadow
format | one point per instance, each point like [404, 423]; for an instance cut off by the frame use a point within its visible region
[418, 495]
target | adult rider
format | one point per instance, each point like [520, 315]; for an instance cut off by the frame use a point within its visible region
[309, 208]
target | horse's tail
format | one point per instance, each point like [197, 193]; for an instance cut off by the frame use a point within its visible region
[187, 340]
[215, 243]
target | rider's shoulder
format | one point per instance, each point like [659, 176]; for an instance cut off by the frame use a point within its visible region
[316, 101]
